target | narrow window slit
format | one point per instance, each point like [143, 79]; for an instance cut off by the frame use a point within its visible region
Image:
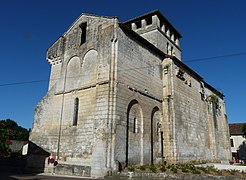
[83, 33]
[135, 125]
[76, 110]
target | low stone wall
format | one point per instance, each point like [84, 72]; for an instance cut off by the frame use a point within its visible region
[73, 170]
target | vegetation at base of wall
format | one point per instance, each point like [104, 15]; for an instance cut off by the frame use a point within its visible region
[152, 168]
[163, 168]
[9, 130]
[142, 167]
[232, 171]
[131, 168]
[186, 168]
[174, 169]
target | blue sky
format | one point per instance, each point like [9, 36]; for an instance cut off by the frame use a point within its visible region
[210, 28]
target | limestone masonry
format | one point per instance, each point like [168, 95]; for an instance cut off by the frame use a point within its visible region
[119, 95]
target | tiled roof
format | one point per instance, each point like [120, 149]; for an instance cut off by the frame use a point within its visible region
[236, 129]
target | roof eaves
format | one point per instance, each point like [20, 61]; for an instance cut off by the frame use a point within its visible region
[177, 61]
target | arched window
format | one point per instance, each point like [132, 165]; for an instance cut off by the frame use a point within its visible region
[75, 113]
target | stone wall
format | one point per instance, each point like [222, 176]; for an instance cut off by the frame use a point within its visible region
[200, 130]
[139, 88]
[82, 73]
[161, 41]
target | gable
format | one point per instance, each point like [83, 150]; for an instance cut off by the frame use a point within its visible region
[85, 18]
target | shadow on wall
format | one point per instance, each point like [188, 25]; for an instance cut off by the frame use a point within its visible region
[35, 160]
[242, 152]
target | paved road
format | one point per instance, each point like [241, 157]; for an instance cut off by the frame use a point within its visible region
[7, 176]
[10, 176]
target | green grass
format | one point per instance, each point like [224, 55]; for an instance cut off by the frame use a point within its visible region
[131, 168]
[232, 171]
[152, 168]
[241, 164]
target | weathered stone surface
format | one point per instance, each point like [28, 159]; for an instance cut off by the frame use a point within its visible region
[115, 99]
[84, 171]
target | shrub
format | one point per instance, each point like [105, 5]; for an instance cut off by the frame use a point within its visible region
[174, 169]
[142, 168]
[211, 169]
[185, 169]
[170, 166]
[163, 168]
[131, 168]
[196, 171]
[204, 169]
[152, 168]
[233, 171]
[219, 172]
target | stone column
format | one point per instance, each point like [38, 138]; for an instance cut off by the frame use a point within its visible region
[167, 125]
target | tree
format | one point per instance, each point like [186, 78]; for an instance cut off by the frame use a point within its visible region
[9, 130]
[244, 130]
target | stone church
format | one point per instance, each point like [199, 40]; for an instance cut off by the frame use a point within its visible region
[120, 95]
